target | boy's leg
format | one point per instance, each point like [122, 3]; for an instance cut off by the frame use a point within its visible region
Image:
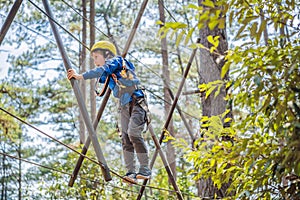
[128, 149]
[135, 128]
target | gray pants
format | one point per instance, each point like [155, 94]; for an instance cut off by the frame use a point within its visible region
[132, 125]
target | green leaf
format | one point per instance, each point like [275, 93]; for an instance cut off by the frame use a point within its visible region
[262, 27]
[240, 31]
[248, 164]
[297, 169]
[247, 20]
[253, 29]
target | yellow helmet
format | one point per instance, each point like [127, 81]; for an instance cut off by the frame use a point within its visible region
[104, 45]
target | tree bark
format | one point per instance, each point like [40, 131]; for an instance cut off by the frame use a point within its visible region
[19, 179]
[3, 182]
[210, 70]
[171, 157]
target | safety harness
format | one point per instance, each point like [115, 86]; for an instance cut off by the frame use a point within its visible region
[114, 77]
[144, 104]
[125, 73]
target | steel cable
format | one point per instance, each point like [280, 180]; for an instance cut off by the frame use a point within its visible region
[65, 145]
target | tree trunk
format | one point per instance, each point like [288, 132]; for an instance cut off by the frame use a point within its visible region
[210, 70]
[82, 61]
[19, 179]
[92, 41]
[3, 173]
[171, 157]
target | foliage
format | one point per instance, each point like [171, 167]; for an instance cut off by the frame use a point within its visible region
[261, 160]
[34, 92]
[37, 89]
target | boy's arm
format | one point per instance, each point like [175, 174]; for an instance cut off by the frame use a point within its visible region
[107, 69]
[94, 73]
[73, 74]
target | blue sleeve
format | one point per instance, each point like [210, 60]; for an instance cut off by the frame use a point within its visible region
[107, 69]
[113, 65]
[94, 73]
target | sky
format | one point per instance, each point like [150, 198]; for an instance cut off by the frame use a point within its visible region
[4, 51]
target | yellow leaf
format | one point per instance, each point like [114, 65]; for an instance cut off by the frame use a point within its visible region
[212, 162]
[210, 90]
[175, 25]
[189, 35]
[227, 120]
[221, 23]
[212, 49]
[212, 24]
[203, 87]
[178, 39]
[210, 39]
[158, 22]
[224, 70]
[208, 3]
[204, 119]
[201, 46]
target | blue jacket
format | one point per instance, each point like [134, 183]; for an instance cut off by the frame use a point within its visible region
[126, 87]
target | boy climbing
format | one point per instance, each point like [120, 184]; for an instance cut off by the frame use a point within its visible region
[124, 83]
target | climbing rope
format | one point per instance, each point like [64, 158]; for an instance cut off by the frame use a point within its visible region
[68, 147]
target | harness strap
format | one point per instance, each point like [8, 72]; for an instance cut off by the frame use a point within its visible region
[144, 104]
[114, 76]
[102, 92]
[131, 105]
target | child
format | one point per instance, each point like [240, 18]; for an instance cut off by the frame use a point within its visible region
[123, 83]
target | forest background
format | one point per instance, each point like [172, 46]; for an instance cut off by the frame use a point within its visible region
[240, 99]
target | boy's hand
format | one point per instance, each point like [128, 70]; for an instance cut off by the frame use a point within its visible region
[73, 74]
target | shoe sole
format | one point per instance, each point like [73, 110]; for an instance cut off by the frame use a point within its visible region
[139, 176]
[129, 180]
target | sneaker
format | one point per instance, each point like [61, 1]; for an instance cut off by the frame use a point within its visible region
[130, 178]
[144, 173]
